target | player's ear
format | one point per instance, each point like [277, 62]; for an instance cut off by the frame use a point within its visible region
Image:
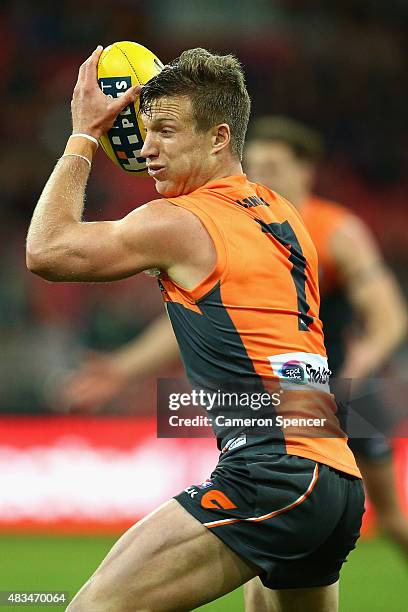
[220, 137]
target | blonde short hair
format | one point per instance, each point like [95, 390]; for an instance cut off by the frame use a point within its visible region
[216, 87]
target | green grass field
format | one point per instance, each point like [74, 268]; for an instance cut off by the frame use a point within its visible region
[374, 580]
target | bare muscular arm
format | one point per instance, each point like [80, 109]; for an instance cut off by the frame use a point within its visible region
[61, 247]
[374, 294]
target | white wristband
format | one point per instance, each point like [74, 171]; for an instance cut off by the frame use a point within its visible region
[77, 155]
[91, 138]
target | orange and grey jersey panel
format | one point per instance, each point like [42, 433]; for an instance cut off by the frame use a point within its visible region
[322, 219]
[255, 317]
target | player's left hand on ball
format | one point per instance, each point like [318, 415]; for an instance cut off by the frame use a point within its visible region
[92, 111]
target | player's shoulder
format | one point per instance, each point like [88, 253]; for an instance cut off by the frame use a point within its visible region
[278, 200]
[160, 205]
[325, 217]
[263, 190]
[161, 228]
[168, 217]
[327, 208]
[160, 219]
[163, 209]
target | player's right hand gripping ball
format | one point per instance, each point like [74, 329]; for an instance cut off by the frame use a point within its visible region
[123, 65]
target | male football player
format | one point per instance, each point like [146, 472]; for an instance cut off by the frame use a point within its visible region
[238, 273]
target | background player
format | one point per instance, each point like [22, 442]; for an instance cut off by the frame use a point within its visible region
[170, 561]
[356, 287]
[362, 309]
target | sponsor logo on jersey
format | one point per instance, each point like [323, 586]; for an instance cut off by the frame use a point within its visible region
[308, 369]
[319, 375]
[293, 370]
[125, 136]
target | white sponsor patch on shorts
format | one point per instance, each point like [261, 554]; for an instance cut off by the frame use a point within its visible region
[234, 443]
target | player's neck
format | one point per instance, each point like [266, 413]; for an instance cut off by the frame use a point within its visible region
[231, 167]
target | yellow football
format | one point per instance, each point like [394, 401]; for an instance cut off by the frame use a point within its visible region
[123, 65]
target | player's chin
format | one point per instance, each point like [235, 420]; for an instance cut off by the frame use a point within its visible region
[167, 189]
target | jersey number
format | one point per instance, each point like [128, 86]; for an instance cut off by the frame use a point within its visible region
[284, 233]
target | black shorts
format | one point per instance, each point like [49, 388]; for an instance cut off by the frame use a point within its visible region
[292, 518]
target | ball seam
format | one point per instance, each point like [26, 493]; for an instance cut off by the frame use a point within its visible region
[130, 64]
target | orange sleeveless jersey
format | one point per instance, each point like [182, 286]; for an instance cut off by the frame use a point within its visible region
[256, 313]
[322, 218]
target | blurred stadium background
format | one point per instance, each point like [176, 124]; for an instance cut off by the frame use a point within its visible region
[70, 484]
